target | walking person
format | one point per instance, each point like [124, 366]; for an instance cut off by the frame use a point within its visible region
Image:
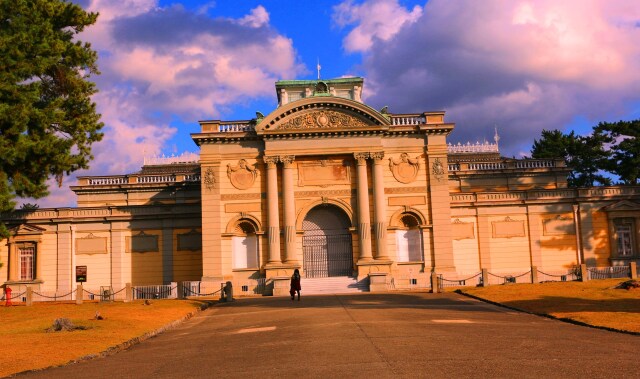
[295, 284]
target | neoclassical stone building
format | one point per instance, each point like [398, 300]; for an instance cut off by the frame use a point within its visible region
[326, 184]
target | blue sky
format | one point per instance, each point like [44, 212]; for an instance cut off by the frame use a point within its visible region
[520, 66]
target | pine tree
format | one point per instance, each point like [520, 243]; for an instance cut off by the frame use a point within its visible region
[47, 119]
[585, 155]
[625, 148]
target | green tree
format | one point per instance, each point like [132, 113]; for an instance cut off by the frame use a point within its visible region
[47, 119]
[586, 156]
[625, 148]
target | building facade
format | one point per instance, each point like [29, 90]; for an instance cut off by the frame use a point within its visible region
[330, 186]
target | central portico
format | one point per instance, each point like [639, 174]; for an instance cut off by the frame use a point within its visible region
[325, 184]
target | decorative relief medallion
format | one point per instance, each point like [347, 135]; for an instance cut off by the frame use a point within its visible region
[243, 175]
[323, 120]
[438, 169]
[209, 179]
[404, 169]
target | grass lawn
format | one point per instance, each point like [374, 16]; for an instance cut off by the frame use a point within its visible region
[594, 302]
[26, 345]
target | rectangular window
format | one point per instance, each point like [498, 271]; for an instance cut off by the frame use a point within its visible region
[245, 251]
[624, 237]
[296, 95]
[409, 245]
[27, 257]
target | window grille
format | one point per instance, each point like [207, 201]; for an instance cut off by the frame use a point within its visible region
[27, 256]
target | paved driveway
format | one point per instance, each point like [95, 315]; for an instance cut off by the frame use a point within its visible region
[368, 336]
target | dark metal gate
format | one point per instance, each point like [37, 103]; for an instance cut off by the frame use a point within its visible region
[327, 255]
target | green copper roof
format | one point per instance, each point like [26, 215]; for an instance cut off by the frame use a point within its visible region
[288, 83]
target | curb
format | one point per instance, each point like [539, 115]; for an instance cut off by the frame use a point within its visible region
[545, 315]
[126, 344]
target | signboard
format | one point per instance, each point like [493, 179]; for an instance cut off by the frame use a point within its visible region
[81, 274]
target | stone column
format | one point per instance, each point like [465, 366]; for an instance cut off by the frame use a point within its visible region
[576, 221]
[289, 209]
[364, 228]
[272, 202]
[379, 206]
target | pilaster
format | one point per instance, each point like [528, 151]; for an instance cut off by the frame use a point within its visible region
[379, 206]
[364, 227]
[440, 203]
[273, 228]
[289, 209]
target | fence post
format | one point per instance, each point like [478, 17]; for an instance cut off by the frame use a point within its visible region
[534, 274]
[434, 282]
[584, 274]
[128, 293]
[29, 301]
[633, 270]
[174, 290]
[79, 294]
[228, 288]
[485, 277]
[181, 290]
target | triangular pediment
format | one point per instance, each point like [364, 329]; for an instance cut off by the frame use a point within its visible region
[624, 205]
[319, 115]
[26, 229]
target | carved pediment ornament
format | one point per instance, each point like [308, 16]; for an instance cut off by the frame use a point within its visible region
[243, 175]
[438, 169]
[404, 169]
[324, 119]
[209, 179]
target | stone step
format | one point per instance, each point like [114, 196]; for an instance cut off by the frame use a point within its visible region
[330, 285]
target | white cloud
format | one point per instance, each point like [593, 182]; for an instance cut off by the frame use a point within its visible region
[521, 65]
[160, 63]
[377, 19]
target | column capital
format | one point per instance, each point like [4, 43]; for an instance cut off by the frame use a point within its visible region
[270, 161]
[377, 156]
[361, 158]
[287, 160]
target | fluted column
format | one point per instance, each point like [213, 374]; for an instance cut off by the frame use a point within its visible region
[289, 209]
[364, 228]
[379, 206]
[272, 202]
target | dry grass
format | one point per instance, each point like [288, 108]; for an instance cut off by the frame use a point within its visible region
[26, 345]
[595, 302]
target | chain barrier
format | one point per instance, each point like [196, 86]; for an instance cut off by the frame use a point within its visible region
[462, 280]
[54, 296]
[201, 294]
[117, 292]
[90, 293]
[18, 295]
[509, 276]
[555, 276]
[521, 275]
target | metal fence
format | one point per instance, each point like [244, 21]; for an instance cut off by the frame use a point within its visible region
[461, 280]
[166, 291]
[608, 272]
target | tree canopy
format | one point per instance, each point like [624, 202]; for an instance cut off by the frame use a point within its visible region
[48, 121]
[611, 151]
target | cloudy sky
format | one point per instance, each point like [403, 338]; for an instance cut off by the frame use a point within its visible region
[520, 66]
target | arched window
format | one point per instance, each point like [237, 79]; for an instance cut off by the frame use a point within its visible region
[409, 239]
[245, 245]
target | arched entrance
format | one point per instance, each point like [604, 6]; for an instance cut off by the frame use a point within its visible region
[326, 243]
